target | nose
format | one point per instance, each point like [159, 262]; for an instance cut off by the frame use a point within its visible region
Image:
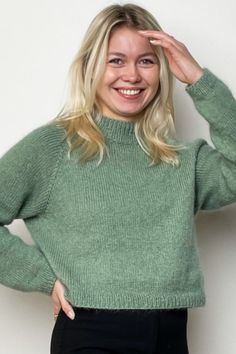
[131, 73]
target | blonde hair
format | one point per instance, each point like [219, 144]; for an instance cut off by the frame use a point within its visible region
[81, 108]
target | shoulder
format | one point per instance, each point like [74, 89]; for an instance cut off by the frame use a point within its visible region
[39, 146]
[188, 146]
[45, 135]
[191, 150]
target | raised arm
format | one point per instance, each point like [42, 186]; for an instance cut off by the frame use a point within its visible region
[215, 168]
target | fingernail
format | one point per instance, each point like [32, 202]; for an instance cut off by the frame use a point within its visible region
[71, 315]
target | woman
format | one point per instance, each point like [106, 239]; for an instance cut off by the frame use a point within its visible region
[110, 195]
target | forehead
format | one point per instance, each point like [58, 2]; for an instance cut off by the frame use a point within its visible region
[128, 40]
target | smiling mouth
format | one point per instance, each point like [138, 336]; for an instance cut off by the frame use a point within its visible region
[131, 93]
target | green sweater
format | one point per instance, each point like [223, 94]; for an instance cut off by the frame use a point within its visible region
[121, 235]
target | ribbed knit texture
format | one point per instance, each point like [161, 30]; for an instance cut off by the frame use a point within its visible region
[120, 235]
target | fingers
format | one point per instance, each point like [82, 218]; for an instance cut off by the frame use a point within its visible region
[55, 316]
[67, 308]
[163, 39]
[56, 308]
[59, 301]
[158, 35]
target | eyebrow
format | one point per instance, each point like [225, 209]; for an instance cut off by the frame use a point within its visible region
[123, 55]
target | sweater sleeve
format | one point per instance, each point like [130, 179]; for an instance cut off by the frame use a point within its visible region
[215, 168]
[27, 171]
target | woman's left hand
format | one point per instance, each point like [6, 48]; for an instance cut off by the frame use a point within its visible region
[181, 63]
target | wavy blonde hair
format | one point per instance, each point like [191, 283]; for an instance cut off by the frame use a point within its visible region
[81, 107]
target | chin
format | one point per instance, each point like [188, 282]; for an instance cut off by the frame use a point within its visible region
[130, 113]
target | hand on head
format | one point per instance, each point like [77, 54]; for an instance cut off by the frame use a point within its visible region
[181, 63]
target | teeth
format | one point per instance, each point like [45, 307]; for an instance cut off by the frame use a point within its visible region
[129, 92]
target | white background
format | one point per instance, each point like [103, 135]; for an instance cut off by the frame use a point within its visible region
[38, 42]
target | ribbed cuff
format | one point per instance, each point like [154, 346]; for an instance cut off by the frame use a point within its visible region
[48, 283]
[204, 86]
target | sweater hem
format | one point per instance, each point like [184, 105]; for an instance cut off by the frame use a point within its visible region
[135, 301]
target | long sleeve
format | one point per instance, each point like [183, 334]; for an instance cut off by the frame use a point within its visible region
[27, 171]
[215, 168]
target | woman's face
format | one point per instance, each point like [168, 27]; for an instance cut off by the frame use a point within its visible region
[131, 76]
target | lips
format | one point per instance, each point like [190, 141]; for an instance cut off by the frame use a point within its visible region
[129, 93]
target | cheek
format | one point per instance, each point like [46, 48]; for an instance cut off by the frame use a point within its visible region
[153, 78]
[109, 77]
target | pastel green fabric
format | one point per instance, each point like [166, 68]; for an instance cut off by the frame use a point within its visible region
[120, 235]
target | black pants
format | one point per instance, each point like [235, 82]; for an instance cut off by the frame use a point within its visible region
[99, 331]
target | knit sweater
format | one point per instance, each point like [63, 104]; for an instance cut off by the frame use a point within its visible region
[120, 235]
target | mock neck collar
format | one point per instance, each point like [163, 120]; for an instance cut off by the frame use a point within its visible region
[120, 131]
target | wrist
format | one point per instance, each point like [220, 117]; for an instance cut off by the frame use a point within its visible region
[199, 73]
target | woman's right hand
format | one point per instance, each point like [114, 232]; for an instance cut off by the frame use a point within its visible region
[59, 301]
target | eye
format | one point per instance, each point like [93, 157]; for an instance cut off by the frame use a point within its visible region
[148, 61]
[114, 60]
